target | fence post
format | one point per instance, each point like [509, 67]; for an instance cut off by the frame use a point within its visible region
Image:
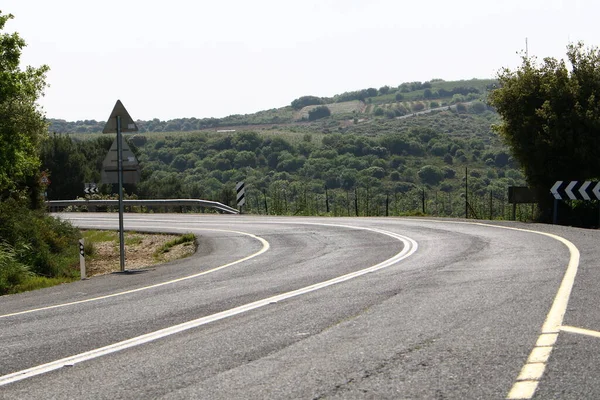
[266, 206]
[367, 203]
[466, 193]
[491, 205]
[348, 203]
[387, 204]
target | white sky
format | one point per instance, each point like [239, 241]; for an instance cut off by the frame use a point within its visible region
[184, 58]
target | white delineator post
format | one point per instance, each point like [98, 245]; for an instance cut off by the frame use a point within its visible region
[82, 259]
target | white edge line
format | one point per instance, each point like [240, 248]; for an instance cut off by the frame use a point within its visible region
[409, 248]
[265, 247]
[554, 318]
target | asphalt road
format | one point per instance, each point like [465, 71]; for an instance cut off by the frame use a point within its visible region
[319, 308]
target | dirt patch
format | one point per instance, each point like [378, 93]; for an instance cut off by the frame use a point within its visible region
[138, 254]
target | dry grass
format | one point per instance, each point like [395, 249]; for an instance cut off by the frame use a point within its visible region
[336, 108]
[140, 252]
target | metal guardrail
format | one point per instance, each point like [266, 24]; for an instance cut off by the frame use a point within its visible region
[148, 203]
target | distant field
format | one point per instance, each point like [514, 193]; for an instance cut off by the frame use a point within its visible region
[287, 115]
[336, 108]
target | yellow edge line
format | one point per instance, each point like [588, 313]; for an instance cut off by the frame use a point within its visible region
[531, 373]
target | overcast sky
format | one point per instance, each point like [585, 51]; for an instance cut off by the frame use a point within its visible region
[175, 59]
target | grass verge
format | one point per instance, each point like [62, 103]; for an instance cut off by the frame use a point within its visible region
[165, 248]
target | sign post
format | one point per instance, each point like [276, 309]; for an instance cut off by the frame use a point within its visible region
[120, 172]
[117, 119]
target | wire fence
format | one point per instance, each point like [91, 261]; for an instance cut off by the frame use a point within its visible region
[364, 201]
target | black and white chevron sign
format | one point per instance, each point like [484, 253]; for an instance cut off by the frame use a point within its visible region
[240, 193]
[90, 188]
[576, 190]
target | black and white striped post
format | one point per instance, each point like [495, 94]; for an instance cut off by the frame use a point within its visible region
[240, 195]
[82, 258]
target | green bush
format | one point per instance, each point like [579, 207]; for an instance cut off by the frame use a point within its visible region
[53, 243]
[12, 272]
[431, 174]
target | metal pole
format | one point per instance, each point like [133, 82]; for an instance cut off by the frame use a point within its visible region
[491, 205]
[466, 193]
[120, 181]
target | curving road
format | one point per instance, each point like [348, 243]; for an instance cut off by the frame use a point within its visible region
[317, 308]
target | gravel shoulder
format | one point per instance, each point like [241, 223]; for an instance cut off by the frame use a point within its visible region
[140, 252]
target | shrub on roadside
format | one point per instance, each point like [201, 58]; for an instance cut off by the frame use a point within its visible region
[12, 272]
[46, 245]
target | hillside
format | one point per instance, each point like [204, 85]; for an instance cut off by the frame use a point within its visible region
[369, 157]
[362, 104]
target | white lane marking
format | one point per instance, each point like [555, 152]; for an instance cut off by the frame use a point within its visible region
[265, 247]
[409, 248]
[580, 331]
[525, 388]
[142, 220]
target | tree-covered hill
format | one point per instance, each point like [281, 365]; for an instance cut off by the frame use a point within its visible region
[331, 166]
[361, 104]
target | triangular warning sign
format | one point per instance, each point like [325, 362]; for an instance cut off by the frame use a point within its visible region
[127, 123]
[110, 165]
[112, 158]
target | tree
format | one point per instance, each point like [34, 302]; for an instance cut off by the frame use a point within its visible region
[418, 106]
[478, 107]
[461, 108]
[249, 141]
[371, 92]
[66, 165]
[30, 240]
[306, 101]
[319, 112]
[22, 124]
[431, 174]
[384, 90]
[551, 118]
